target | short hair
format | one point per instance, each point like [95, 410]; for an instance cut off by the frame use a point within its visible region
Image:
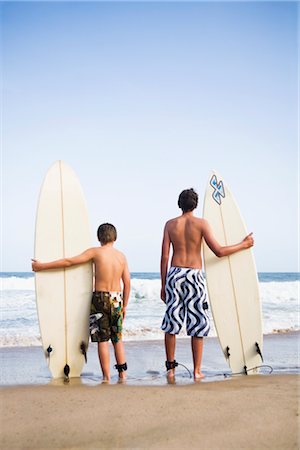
[107, 233]
[188, 200]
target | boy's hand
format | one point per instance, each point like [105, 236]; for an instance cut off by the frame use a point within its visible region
[163, 294]
[248, 241]
[35, 265]
[124, 312]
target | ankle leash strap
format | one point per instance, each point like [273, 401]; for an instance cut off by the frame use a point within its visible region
[171, 364]
[121, 367]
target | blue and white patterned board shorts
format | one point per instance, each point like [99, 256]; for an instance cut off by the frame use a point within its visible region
[186, 296]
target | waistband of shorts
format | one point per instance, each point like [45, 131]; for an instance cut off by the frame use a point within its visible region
[111, 293]
[185, 269]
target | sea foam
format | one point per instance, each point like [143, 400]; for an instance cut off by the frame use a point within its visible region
[19, 320]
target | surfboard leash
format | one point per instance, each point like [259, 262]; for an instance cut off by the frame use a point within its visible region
[157, 375]
[172, 364]
[246, 370]
[190, 373]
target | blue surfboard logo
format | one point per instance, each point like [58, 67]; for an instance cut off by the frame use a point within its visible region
[218, 187]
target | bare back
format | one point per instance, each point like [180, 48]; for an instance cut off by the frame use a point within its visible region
[109, 267]
[185, 234]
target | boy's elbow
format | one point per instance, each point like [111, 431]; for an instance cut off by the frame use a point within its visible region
[126, 290]
[219, 252]
[68, 262]
[164, 259]
[126, 283]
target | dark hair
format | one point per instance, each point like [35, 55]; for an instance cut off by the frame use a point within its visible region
[107, 233]
[188, 200]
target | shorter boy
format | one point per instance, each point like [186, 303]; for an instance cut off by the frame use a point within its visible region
[109, 301]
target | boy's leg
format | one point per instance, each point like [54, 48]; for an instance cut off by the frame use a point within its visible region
[104, 358]
[197, 350]
[120, 356]
[170, 345]
[197, 305]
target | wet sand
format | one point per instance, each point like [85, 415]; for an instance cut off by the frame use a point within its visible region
[27, 365]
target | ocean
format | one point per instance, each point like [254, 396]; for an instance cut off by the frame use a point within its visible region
[19, 321]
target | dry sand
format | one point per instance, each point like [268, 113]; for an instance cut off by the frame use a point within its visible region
[247, 412]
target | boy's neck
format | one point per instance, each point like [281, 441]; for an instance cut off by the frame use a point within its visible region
[188, 213]
[109, 244]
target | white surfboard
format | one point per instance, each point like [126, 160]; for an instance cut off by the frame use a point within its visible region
[232, 282]
[63, 296]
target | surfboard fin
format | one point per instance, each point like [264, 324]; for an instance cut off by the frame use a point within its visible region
[66, 372]
[83, 350]
[49, 350]
[227, 353]
[259, 351]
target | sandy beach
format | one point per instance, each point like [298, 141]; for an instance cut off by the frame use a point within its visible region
[242, 412]
[254, 412]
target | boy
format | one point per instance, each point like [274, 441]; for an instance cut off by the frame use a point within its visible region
[108, 306]
[183, 288]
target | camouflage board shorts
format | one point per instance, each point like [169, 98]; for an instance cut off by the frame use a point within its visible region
[106, 316]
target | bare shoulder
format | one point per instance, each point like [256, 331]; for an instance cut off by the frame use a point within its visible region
[203, 222]
[95, 250]
[171, 222]
[97, 253]
[92, 251]
[120, 255]
[204, 225]
[200, 221]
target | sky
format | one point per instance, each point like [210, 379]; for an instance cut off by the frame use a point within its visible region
[143, 100]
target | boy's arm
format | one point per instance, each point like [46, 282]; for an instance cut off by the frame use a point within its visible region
[227, 250]
[126, 287]
[165, 252]
[64, 262]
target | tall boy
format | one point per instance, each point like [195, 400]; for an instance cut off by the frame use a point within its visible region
[183, 287]
[109, 301]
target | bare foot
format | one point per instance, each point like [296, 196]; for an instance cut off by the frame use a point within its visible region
[105, 380]
[198, 376]
[171, 376]
[122, 377]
